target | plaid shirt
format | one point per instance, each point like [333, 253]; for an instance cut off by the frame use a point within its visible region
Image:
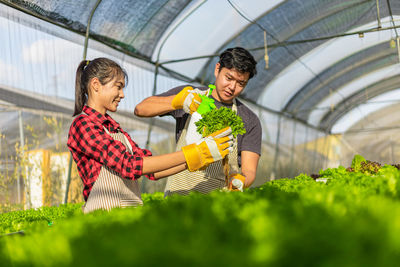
[92, 147]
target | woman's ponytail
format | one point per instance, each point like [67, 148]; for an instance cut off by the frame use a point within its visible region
[80, 89]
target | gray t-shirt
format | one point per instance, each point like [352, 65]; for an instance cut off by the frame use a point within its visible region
[250, 141]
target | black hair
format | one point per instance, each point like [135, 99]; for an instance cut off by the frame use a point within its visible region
[240, 59]
[101, 68]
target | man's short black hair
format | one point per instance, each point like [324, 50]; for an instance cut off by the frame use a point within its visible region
[240, 59]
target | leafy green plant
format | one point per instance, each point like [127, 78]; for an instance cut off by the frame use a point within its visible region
[217, 119]
[356, 162]
[351, 220]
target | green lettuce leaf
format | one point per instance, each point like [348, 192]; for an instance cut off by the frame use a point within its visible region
[218, 119]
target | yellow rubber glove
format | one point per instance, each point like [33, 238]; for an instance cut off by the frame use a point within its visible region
[188, 99]
[236, 182]
[208, 149]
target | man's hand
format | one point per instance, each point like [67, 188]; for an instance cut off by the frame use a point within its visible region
[188, 99]
[236, 182]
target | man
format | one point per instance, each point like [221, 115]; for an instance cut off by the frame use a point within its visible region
[232, 73]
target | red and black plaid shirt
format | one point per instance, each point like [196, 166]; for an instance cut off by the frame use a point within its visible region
[92, 147]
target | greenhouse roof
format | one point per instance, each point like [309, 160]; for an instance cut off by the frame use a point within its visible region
[326, 57]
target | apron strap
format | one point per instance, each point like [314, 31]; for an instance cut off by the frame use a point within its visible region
[125, 138]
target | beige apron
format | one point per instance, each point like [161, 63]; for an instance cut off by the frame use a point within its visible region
[110, 190]
[204, 181]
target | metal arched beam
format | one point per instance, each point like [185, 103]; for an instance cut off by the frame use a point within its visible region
[374, 131]
[358, 98]
[85, 46]
[338, 75]
[337, 17]
[387, 118]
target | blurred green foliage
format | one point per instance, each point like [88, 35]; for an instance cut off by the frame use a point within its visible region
[351, 219]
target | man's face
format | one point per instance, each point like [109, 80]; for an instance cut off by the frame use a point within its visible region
[229, 84]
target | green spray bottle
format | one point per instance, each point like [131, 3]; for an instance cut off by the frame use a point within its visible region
[207, 104]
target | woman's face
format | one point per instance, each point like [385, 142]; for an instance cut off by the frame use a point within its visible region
[111, 94]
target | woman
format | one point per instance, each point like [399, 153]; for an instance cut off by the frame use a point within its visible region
[109, 162]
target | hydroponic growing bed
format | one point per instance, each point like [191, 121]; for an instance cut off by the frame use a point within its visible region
[351, 219]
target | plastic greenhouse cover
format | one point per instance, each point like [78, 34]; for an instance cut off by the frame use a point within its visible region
[141, 27]
[349, 89]
[205, 30]
[291, 21]
[317, 61]
[380, 102]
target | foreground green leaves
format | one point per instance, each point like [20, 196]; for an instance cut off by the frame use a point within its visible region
[351, 220]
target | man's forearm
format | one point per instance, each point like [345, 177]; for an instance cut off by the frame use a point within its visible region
[250, 177]
[154, 106]
[249, 166]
